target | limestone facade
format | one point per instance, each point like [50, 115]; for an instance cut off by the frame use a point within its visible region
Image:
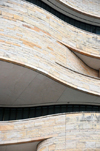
[90, 7]
[70, 132]
[35, 38]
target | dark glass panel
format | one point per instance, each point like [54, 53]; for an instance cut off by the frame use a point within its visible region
[25, 113]
[72, 22]
[89, 108]
[44, 5]
[57, 109]
[34, 1]
[12, 114]
[82, 26]
[63, 108]
[69, 108]
[53, 12]
[88, 27]
[76, 108]
[95, 108]
[51, 110]
[82, 107]
[57, 14]
[67, 19]
[93, 29]
[38, 111]
[39, 3]
[1, 114]
[48, 8]
[6, 114]
[32, 112]
[77, 24]
[98, 30]
[19, 113]
[44, 111]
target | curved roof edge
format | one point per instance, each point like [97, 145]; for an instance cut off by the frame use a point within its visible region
[36, 87]
[73, 13]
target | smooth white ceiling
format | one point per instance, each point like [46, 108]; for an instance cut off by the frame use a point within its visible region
[91, 62]
[20, 147]
[20, 86]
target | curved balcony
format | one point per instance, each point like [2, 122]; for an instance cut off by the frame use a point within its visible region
[34, 38]
[62, 131]
[90, 7]
[85, 11]
[44, 83]
[33, 19]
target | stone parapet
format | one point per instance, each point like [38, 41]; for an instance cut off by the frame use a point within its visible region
[90, 7]
[32, 37]
[75, 131]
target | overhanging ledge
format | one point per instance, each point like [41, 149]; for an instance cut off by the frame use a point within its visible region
[21, 86]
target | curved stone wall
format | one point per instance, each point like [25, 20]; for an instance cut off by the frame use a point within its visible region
[89, 7]
[78, 131]
[76, 10]
[33, 37]
[23, 16]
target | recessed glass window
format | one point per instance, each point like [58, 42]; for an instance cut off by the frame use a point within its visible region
[12, 114]
[31, 112]
[57, 109]
[6, 114]
[98, 30]
[25, 113]
[19, 113]
[1, 114]
[44, 110]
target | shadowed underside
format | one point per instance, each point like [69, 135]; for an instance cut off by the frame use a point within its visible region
[46, 61]
[21, 86]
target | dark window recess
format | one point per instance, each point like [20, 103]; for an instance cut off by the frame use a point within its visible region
[12, 115]
[98, 30]
[31, 112]
[79, 24]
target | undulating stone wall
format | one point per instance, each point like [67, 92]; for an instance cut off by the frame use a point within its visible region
[31, 36]
[26, 15]
[90, 7]
[70, 132]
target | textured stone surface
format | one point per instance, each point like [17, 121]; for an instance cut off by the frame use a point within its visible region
[29, 36]
[24, 16]
[91, 7]
[77, 131]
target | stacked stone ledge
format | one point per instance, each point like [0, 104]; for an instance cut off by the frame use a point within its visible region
[90, 7]
[75, 131]
[32, 37]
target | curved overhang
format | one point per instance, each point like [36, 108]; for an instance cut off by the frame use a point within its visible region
[21, 86]
[78, 10]
[27, 146]
[36, 39]
[90, 61]
[28, 26]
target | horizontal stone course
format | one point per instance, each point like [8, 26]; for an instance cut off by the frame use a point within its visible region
[33, 37]
[90, 7]
[55, 136]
